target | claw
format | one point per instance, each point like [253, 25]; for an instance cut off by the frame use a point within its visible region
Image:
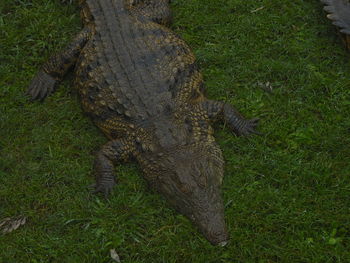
[105, 189]
[256, 132]
[41, 86]
[255, 120]
[91, 187]
[249, 127]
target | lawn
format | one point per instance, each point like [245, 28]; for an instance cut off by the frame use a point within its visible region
[286, 193]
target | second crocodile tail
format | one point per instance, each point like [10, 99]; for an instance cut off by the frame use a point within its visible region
[339, 13]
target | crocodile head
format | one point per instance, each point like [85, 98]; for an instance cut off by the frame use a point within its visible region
[189, 177]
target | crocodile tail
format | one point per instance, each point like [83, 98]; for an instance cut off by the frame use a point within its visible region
[339, 13]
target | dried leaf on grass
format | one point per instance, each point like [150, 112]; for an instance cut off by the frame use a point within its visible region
[3, 222]
[67, 1]
[114, 255]
[258, 9]
[10, 224]
[266, 86]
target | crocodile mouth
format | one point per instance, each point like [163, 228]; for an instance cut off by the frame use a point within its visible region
[218, 238]
[213, 227]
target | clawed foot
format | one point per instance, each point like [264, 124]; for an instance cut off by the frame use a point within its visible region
[104, 188]
[41, 86]
[249, 127]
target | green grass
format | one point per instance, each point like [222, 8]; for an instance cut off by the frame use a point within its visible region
[287, 193]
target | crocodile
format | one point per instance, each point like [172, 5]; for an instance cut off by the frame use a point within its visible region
[339, 13]
[140, 84]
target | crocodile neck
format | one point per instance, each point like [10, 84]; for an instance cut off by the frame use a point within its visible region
[99, 8]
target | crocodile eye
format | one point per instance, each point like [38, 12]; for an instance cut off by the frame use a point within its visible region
[183, 185]
[186, 189]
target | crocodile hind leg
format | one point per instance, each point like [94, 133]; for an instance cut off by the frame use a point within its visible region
[236, 122]
[43, 84]
[112, 152]
[155, 10]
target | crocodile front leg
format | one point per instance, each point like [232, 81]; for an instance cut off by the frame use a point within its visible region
[43, 84]
[236, 122]
[111, 153]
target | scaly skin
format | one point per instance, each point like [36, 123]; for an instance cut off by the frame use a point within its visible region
[339, 13]
[139, 83]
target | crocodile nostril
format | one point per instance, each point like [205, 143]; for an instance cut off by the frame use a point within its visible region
[220, 237]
